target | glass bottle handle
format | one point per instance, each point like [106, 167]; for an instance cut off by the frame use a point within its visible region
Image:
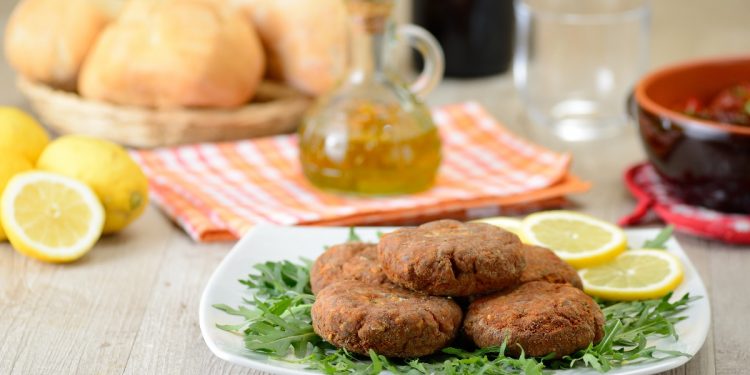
[434, 62]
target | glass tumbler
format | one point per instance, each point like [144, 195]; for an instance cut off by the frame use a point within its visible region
[576, 61]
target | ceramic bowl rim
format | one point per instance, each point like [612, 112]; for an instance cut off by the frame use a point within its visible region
[652, 106]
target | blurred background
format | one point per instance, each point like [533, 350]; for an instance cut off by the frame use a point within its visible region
[694, 21]
[679, 30]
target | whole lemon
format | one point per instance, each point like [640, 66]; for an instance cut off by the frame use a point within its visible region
[21, 134]
[11, 165]
[107, 168]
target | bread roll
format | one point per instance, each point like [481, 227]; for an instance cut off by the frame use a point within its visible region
[305, 40]
[175, 53]
[47, 40]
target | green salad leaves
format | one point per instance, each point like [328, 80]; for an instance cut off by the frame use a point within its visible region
[660, 241]
[277, 322]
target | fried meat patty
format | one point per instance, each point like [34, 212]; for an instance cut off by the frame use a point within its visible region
[347, 261]
[387, 319]
[543, 265]
[541, 317]
[451, 258]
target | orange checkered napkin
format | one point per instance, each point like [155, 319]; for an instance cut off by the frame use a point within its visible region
[218, 191]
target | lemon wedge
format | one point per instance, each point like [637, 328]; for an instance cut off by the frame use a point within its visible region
[580, 240]
[51, 217]
[510, 224]
[634, 275]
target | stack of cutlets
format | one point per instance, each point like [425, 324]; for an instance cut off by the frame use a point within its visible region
[398, 297]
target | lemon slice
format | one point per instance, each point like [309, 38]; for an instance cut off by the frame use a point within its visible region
[51, 217]
[634, 275]
[580, 240]
[510, 224]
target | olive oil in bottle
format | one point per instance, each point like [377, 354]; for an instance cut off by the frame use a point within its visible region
[382, 151]
[373, 135]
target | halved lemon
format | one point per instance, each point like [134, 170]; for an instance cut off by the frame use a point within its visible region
[51, 217]
[634, 275]
[510, 224]
[580, 240]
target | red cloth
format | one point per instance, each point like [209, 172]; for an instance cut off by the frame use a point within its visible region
[654, 197]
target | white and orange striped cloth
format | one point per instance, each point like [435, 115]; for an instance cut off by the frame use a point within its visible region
[218, 191]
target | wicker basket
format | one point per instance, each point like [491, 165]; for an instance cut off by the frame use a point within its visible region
[275, 109]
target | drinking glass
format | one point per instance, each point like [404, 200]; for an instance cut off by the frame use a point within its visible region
[576, 61]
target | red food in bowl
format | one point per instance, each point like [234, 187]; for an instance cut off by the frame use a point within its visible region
[704, 162]
[730, 106]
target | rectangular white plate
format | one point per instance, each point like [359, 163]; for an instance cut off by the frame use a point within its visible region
[273, 243]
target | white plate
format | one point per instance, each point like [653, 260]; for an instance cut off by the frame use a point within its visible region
[266, 243]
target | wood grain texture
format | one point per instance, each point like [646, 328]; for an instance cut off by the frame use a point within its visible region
[81, 317]
[131, 306]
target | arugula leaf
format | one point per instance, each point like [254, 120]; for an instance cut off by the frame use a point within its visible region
[279, 278]
[239, 311]
[627, 329]
[660, 241]
[353, 236]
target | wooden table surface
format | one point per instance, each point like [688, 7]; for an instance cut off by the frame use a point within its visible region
[131, 306]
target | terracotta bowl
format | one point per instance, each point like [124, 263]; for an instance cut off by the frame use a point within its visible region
[705, 163]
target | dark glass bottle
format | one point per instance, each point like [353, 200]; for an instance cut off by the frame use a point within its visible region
[476, 35]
